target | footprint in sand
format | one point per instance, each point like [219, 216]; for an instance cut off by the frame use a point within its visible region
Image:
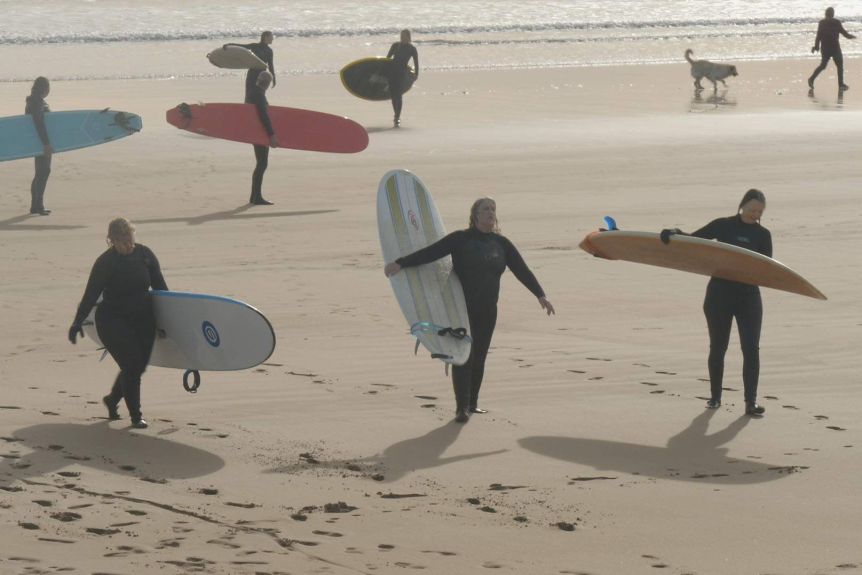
[657, 391]
[385, 547]
[66, 516]
[667, 372]
[428, 397]
[491, 565]
[576, 371]
[444, 553]
[820, 417]
[98, 531]
[599, 359]
[208, 491]
[136, 512]
[648, 383]
[835, 428]
[26, 525]
[327, 533]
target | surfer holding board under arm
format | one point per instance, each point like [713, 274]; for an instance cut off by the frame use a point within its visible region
[726, 299]
[123, 276]
[480, 255]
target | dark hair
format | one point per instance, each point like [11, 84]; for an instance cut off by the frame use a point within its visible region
[264, 34]
[752, 194]
[40, 85]
[830, 12]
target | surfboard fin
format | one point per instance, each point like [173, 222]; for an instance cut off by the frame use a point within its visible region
[104, 354]
[610, 223]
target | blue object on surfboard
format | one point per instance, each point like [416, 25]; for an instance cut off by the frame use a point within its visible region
[67, 130]
[610, 223]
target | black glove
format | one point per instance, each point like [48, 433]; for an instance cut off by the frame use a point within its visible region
[74, 331]
[667, 233]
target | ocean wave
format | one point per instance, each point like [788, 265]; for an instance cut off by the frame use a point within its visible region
[728, 25]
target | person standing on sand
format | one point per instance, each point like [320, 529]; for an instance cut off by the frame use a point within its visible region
[828, 45]
[123, 276]
[480, 255]
[401, 52]
[257, 96]
[726, 300]
[37, 107]
[264, 52]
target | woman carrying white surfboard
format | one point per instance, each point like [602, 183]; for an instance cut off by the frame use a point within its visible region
[726, 300]
[37, 107]
[480, 255]
[123, 275]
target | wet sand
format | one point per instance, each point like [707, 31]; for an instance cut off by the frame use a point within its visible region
[339, 454]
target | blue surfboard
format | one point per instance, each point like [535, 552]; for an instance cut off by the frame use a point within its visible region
[68, 130]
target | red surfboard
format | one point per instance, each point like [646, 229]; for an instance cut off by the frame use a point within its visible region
[295, 128]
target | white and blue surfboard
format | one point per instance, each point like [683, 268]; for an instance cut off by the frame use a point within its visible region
[199, 332]
[430, 295]
[67, 130]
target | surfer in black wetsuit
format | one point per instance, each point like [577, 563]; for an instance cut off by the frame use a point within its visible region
[257, 96]
[726, 300]
[401, 52]
[123, 276]
[37, 107]
[480, 255]
[829, 46]
[264, 52]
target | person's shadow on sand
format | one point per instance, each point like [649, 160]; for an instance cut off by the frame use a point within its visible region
[234, 214]
[55, 446]
[690, 455]
[407, 456]
[16, 223]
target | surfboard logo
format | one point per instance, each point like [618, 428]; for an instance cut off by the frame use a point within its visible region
[412, 217]
[210, 334]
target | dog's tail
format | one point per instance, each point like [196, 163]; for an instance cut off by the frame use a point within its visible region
[688, 54]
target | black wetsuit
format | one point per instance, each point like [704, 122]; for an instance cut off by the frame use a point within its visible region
[257, 96]
[264, 52]
[726, 300]
[401, 53]
[37, 107]
[829, 46]
[124, 318]
[479, 259]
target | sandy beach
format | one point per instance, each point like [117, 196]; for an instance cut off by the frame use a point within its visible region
[339, 454]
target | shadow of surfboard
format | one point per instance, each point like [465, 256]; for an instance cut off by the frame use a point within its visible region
[234, 214]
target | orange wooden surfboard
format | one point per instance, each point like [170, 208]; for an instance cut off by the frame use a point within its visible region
[295, 128]
[696, 255]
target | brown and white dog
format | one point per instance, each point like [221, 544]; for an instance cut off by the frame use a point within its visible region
[709, 70]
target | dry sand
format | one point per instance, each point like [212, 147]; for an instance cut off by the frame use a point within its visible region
[339, 454]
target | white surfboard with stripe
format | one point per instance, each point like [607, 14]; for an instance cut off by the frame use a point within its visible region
[430, 295]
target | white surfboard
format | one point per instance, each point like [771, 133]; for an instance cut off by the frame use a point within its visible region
[235, 58]
[198, 332]
[430, 295]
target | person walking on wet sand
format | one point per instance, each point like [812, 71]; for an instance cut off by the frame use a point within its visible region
[123, 276]
[257, 96]
[37, 108]
[828, 45]
[401, 52]
[480, 255]
[264, 52]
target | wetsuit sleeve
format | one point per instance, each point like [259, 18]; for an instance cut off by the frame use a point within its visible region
[439, 249]
[262, 112]
[270, 62]
[95, 286]
[819, 36]
[709, 231]
[416, 61]
[38, 113]
[519, 267]
[392, 50]
[157, 280]
[844, 32]
[766, 248]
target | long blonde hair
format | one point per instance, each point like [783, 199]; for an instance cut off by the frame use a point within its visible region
[474, 214]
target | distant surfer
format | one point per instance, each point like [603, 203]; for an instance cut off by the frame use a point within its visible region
[399, 78]
[726, 300]
[37, 107]
[123, 276]
[264, 52]
[257, 96]
[827, 43]
[480, 255]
